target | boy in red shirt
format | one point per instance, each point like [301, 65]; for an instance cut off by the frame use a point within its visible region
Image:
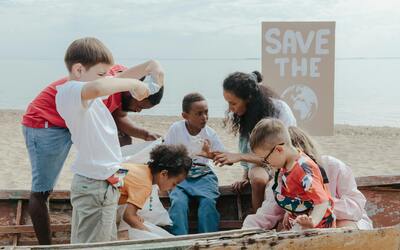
[298, 186]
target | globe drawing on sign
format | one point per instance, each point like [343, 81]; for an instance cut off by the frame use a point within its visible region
[302, 100]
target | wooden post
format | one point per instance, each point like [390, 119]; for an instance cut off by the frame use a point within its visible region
[17, 221]
[239, 206]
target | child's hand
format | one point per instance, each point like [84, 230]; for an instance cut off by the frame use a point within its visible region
[206, 150]
[225, 158]
[152, 136]
[304, 221]
[157, 72]
[139, 224]
[238, 186]
[140, 91]
[140, 219]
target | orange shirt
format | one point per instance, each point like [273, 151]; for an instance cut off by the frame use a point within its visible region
[138, 184]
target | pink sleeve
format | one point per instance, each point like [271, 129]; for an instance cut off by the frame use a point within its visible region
[349, 202]
[268, 215]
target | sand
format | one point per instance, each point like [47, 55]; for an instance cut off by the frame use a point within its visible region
[367, 150]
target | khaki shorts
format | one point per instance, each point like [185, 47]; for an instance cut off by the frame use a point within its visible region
[94, 212]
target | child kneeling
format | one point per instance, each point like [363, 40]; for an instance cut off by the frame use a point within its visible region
[298, 185]
[168, 166]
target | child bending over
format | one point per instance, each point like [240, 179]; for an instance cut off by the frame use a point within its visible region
[298, 184]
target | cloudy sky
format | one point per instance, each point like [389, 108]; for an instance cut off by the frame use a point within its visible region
[189, 29]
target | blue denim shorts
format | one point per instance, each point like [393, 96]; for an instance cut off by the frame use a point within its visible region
[48, 148]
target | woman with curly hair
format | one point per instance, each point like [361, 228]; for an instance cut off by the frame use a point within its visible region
[249, 102]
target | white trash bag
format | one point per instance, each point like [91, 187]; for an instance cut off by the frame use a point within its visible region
[154, 232]
[139, 152]
[158, 216]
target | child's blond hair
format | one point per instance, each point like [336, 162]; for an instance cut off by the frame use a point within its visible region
[269, 131]
[87, 51]
[301, 140]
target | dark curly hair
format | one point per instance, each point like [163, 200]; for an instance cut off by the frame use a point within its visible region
[153, 99]
[258, 97]
[173, 158]
[189, 99]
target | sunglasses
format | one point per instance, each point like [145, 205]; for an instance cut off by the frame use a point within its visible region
[265, 159]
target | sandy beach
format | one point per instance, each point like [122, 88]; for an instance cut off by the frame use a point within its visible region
[367, 150]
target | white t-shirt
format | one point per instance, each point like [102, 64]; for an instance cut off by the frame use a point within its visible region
[93, 132]
[178, 134]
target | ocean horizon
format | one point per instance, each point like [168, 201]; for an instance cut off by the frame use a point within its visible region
[366, 88]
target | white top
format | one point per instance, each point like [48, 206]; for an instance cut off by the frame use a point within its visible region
[285, 113]
[93, 132]
[178, 134]
[349, 201]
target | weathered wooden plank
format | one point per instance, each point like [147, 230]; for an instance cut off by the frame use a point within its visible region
[17, 229]
[18, 221]
[383, 206]
[363, 181]
[329, 239]
[165, 243]
[383, 180]
[25, 194]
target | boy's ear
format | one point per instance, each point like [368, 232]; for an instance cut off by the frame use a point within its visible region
[185, 115]
[77, 69]
[164, 173]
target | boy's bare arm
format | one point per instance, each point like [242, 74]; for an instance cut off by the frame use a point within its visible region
[226, 158]
[126, 125]
[109, 86]
[150, 67]
[315, 217]
[131, 217]
[318, 212]
[136, 72]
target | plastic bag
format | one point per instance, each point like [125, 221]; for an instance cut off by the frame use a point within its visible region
[139, 152]
[154, 232]
[158, 215]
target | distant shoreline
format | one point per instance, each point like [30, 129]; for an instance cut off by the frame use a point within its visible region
[217, 118]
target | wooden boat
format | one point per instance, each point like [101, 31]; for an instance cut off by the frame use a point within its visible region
[383, 207]
[387, 238]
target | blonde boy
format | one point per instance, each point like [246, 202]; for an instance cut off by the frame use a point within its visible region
[94, 198]
[298, 186]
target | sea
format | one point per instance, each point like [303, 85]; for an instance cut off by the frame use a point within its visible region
[367, 90]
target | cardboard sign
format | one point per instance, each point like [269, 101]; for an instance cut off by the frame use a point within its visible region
[298, 62]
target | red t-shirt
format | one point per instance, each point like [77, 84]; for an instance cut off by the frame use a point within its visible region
[305, 181]
[42, 112]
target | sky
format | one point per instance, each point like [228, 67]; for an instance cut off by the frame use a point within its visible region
[43, 29]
